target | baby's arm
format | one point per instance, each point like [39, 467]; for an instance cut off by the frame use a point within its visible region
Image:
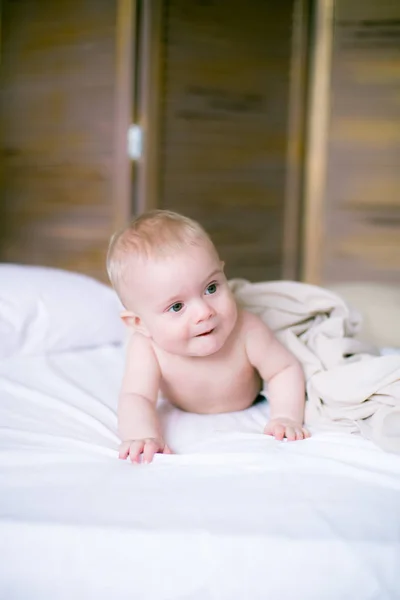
[285, 378]
[138, 424]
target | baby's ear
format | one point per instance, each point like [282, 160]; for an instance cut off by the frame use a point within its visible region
[133, 321]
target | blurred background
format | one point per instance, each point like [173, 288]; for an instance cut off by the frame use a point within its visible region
[275, 124]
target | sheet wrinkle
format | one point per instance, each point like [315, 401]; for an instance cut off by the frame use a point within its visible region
[336, 529]
[102, 526]
[348, 386]
[69, 380]
[57, 441]
[59, 405]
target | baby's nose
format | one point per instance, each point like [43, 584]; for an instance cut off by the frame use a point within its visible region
[203, 311]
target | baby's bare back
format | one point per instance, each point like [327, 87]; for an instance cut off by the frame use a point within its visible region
[219, 383]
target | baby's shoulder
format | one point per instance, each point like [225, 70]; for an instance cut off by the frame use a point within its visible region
[251, 322]
[139, 344]
[255, 332]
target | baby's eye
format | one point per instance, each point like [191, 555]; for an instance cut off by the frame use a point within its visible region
[211, 289]
[176, 307]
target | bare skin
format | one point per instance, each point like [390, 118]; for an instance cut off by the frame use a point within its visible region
[191, 342]
[222, 382]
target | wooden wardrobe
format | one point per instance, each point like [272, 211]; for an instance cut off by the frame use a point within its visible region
[275, 124]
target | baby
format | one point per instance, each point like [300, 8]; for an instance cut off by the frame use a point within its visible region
[191, 341]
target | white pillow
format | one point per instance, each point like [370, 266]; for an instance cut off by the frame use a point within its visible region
[45, 310]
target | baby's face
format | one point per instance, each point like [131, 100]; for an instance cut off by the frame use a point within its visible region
[184, 301]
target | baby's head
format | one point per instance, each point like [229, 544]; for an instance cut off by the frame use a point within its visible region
[153, 236]
[170, 279]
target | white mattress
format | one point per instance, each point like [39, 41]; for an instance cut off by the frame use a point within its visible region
[232, 515]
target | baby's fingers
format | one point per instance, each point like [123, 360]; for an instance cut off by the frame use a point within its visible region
[135, 450]
[278, 431]
[124, 450]
[290, 433]
[131, 449]
[301, 433]
[151, 447]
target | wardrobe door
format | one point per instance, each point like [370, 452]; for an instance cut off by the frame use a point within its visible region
[57, 110]
[362, 200]
[225, 117]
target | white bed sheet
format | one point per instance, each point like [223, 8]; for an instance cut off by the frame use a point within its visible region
[234, 514]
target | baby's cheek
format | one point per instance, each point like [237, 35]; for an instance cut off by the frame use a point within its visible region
[175, 334]
[232, 310]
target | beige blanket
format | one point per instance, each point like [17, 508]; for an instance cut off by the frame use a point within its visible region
[349, 386]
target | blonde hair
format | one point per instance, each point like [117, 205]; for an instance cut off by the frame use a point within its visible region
[154, 234]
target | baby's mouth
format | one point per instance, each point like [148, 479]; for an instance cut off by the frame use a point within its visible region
[205, 333]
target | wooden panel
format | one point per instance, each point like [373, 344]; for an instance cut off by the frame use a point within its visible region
[362, 224]
[57, 116]
[317, 119]
[225, 121]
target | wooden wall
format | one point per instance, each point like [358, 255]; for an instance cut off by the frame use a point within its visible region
[57, 118]
[362, 200]
[225, 107]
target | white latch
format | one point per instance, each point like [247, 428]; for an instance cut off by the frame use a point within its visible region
[134, 142]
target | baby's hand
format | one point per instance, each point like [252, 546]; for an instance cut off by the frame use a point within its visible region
[291, 430]
[147, 447]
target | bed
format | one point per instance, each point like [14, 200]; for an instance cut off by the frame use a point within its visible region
[232, 514]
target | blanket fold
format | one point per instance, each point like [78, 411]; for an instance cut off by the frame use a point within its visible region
[348, 384]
